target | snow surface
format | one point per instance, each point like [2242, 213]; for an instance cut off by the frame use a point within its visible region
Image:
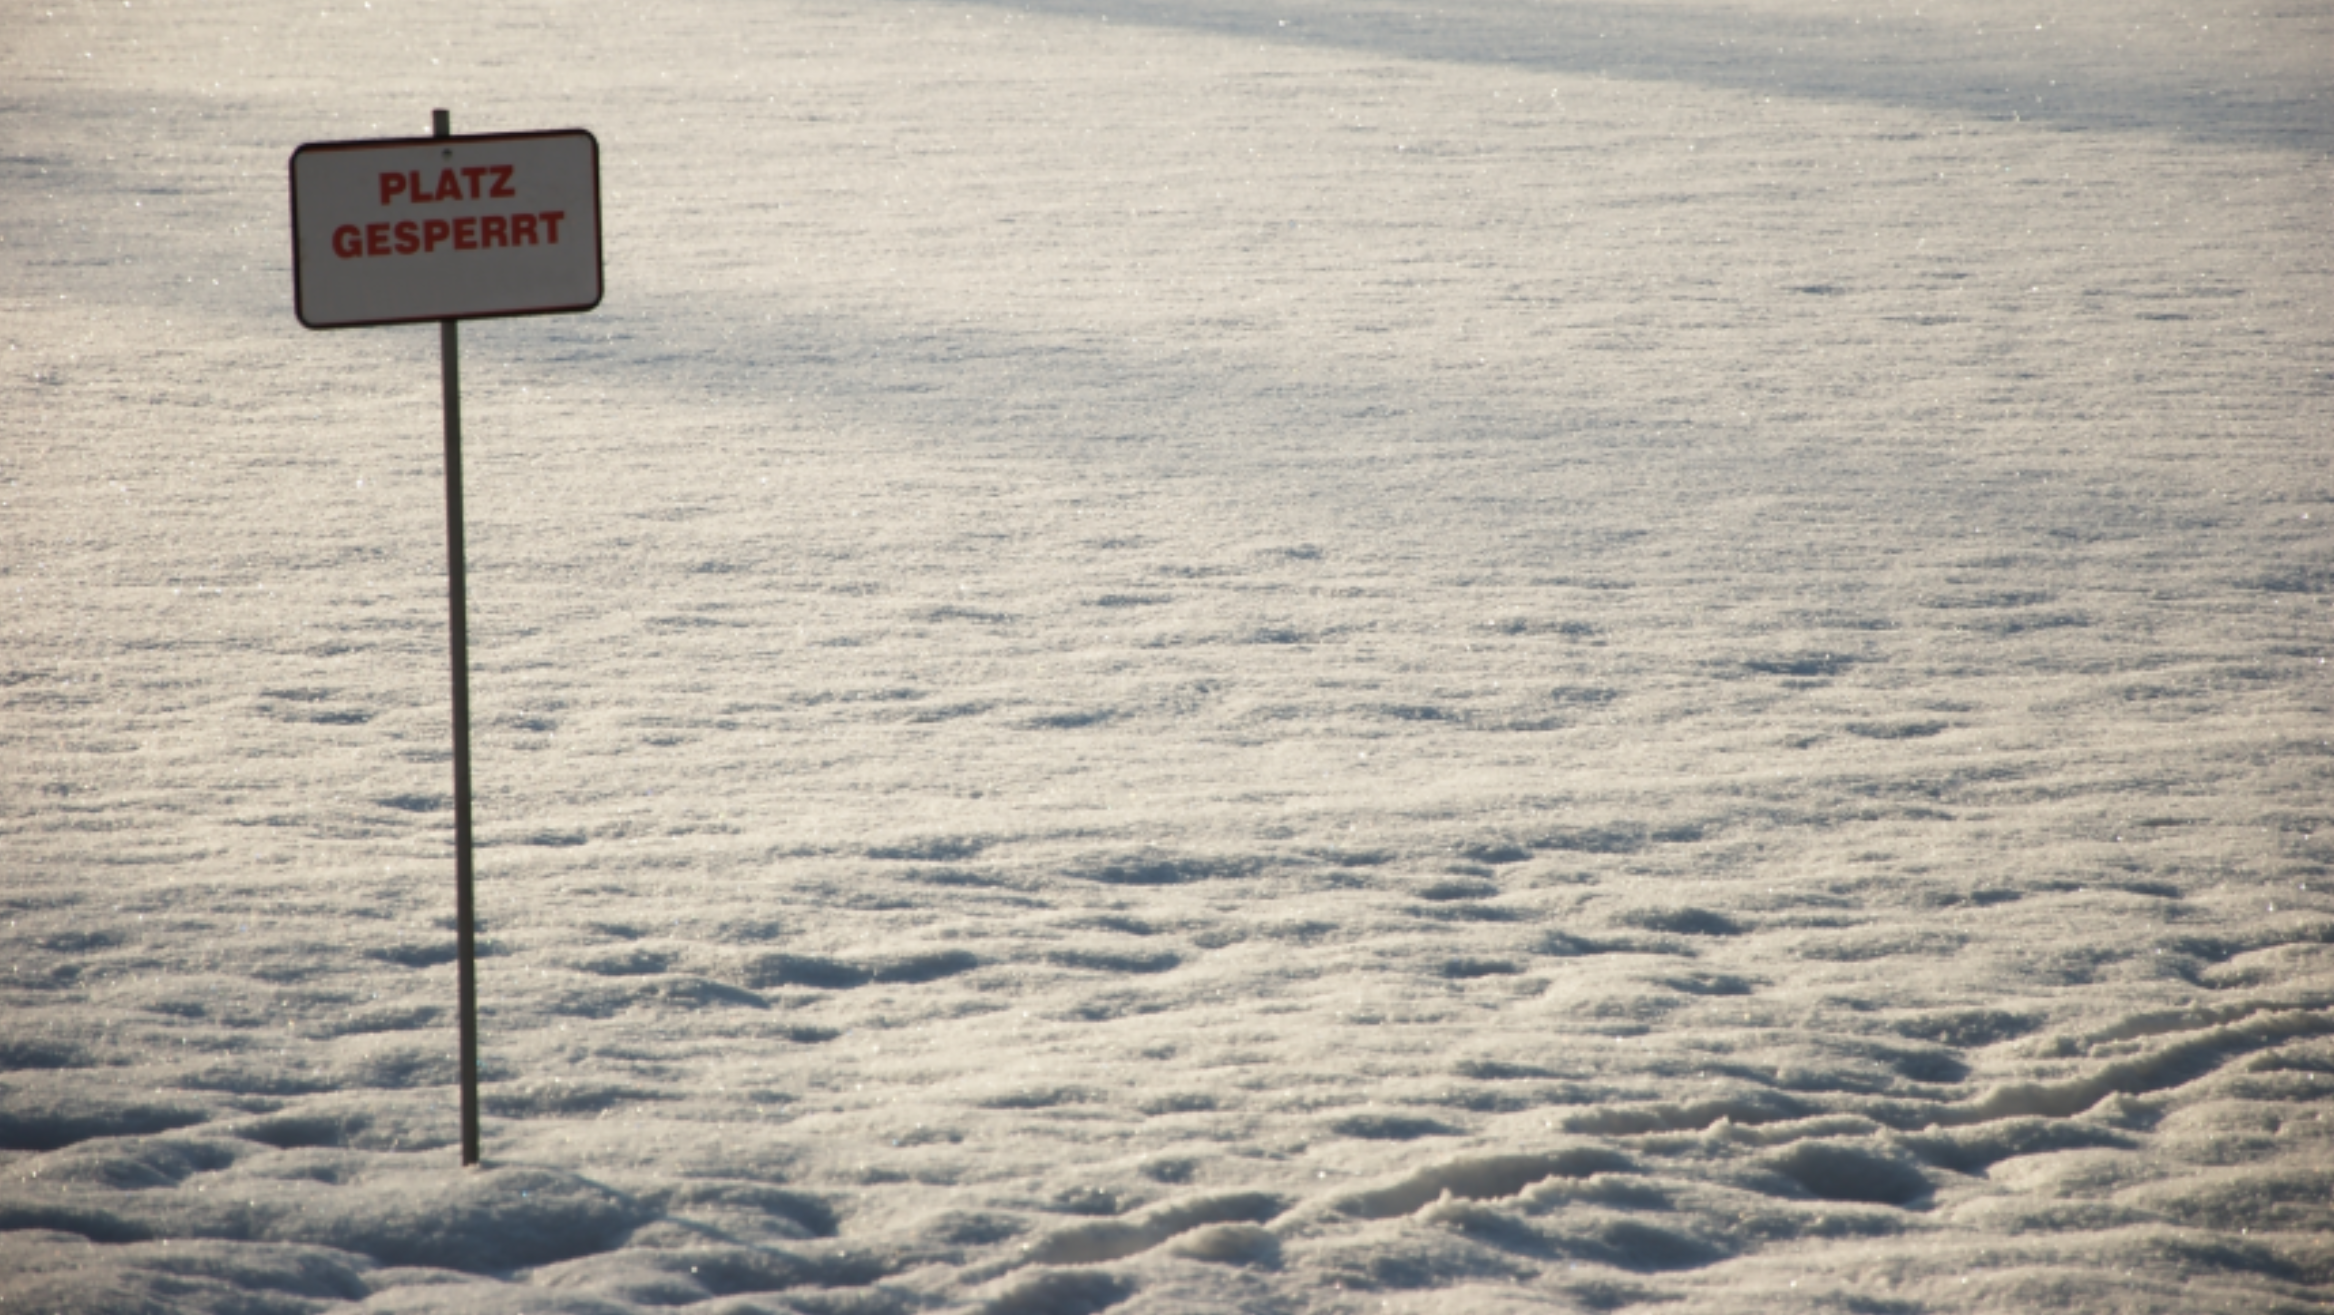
[1496, 657]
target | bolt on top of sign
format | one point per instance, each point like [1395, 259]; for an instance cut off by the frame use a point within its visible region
[445, 228]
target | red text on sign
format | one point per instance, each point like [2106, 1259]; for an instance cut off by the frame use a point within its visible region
[408, 237]
[449, 186]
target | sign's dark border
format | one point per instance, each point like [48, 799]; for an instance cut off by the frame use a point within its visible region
[599, 261]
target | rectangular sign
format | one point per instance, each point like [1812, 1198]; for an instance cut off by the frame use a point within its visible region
[445, 228]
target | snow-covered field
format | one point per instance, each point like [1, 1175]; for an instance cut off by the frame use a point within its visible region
[1499, 657]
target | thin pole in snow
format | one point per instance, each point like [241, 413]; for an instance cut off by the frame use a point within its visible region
[458, 610]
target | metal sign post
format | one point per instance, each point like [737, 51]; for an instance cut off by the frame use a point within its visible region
[448, 228]
[458, 644]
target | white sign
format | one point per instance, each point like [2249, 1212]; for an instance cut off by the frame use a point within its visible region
[443, 228]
